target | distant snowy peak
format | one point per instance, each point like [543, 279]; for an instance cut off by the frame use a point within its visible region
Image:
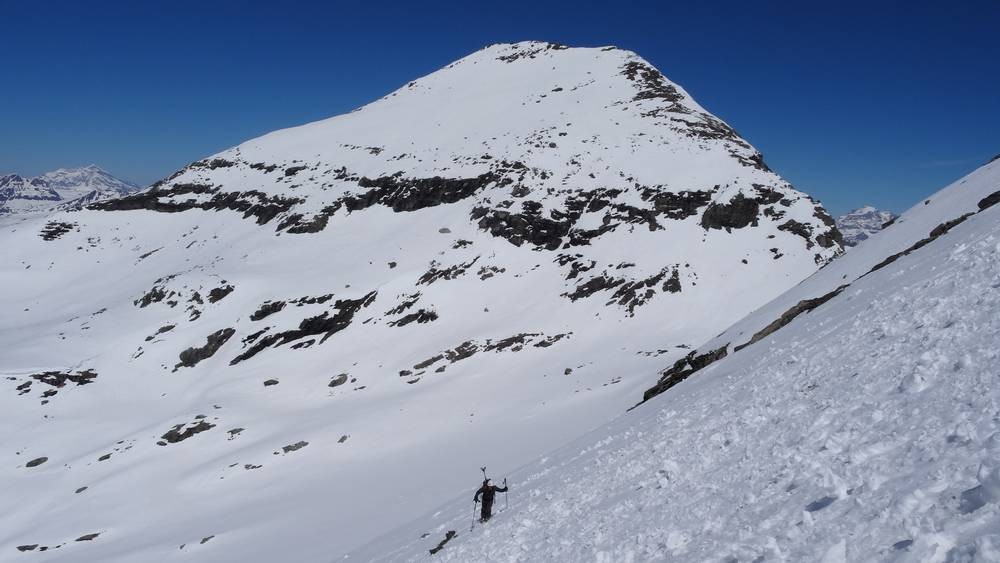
[87, 179]
[65, 188]
[862, 223]
[35, 189]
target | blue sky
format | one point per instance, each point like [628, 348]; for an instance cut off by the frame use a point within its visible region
[853, 102]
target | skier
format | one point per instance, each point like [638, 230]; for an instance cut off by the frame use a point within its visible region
[488, 491]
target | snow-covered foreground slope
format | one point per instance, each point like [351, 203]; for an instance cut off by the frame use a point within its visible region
[918, 226]
[293, 346]
[865, 430]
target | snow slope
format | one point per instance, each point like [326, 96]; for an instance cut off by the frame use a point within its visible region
[288, 348]
[865, 430]
[862, 223]
[917, 226]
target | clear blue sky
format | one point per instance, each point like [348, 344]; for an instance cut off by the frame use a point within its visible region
[853, 102]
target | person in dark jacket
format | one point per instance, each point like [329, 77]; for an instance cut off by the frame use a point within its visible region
[488, 492]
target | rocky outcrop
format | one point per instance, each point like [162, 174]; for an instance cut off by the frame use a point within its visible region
[676, 205]
[56, 229]
[182, 432]
[396, 192]
[629, 293]
[520, 228]
[683, 369]
[56, 380]
[294, 447]
[267, 309]
[421, 316]
[530, 52]
[250, 203]
[219, 293]
[324, 324]
[436, 273]
[989, 200]
[60, 379]
[192, 356]
[411, 194]
[740, 212]
[36, 462]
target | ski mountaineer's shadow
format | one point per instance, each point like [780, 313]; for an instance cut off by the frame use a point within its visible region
[488, 494]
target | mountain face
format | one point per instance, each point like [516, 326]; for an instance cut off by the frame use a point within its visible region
[13, 186]
[862, 223]
[864, 426]
[299, 343]
[63, 189]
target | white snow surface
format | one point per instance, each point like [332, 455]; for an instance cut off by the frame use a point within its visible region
[426, 329]
[866, 430]
[948, 204]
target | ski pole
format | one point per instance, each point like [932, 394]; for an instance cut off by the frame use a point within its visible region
[474, 507]
[505, 504]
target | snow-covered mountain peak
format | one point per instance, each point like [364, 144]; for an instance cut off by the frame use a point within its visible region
[87, 178]
[65, 189]
[529, 101]
[862, 223]
[547, 120]
[30, 191]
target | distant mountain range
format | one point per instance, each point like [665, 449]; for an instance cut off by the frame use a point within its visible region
[62, 189]
[862, 223]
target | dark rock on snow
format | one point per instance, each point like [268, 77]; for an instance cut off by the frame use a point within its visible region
[36, 462]
[294, 447]
[182, 432]
[214, 341]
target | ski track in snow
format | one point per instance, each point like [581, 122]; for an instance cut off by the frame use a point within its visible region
[867, 430]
